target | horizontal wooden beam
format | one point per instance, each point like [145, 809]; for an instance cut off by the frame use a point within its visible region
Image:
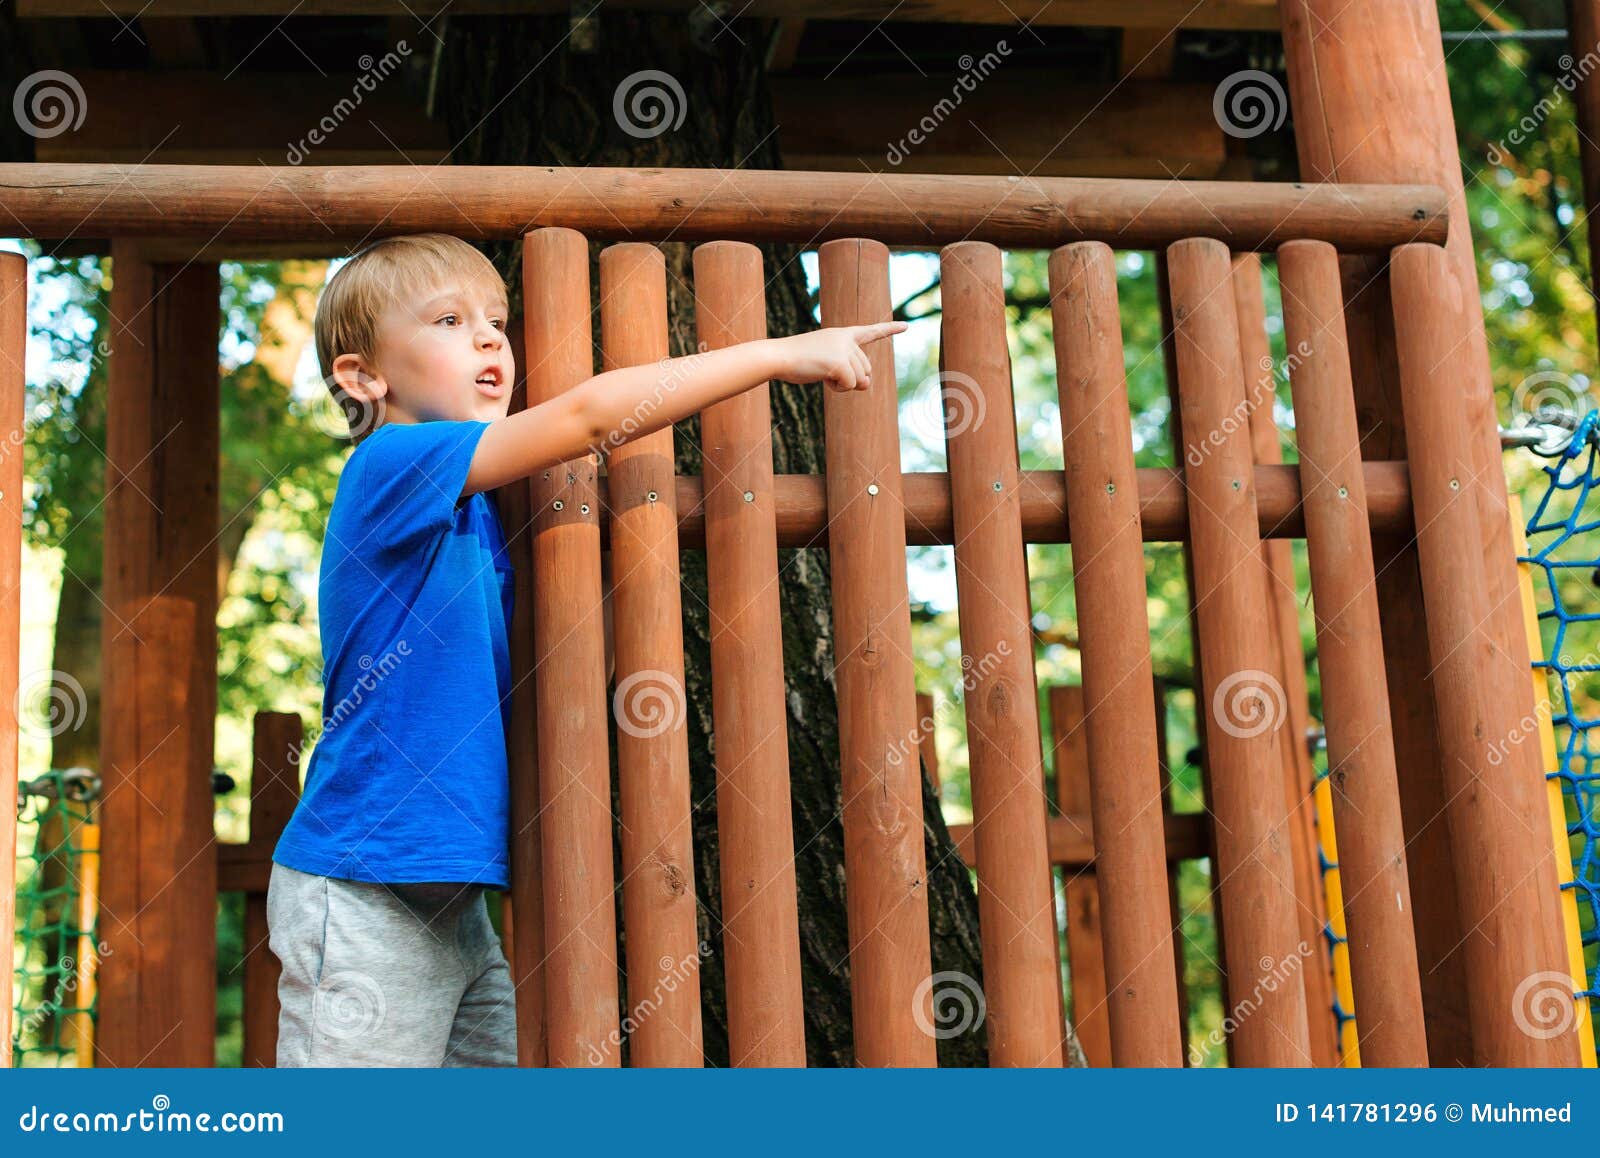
[801, 502]
[1240, 14]
[887, 124]
[877, 124]
[1071, 839]
[204, 117]
[259, 202]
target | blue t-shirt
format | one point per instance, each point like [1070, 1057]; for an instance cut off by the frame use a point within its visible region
[408, 781]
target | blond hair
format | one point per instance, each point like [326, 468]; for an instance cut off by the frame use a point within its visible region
[390, 270]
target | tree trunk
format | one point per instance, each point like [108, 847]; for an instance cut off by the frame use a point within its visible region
[532, 91]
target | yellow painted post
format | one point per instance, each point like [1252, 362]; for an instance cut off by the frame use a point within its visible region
[1343, 988]
[1544, 712]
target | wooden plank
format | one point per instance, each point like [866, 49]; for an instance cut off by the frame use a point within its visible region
[1016, 903]
[886, 885]
[13, 403]
[198, 116]
[651, 712]
[1120, 759]
[928, 742]
[761, 936]
[1137, 129]
[318, 202]
[162, 517]
[1147, 53]
[1362, 774]
[580, 930]
[274, 789]
[158, 973]
[1221, 14]
[1256, 871]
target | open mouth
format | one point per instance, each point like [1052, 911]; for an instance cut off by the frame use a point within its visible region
[489, 383]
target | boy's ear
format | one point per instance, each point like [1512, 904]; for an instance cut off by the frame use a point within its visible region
[355, 376]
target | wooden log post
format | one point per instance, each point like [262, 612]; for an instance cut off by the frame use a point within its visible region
[650, 711]
[928, 723]
[1283, 624]
[1086, 958]
[522, 905]
[1119, 713]
[274, 789]
[162, 519]
[1016, 903]
[13, 405]
[891, 995]
[1362, 775]
[1353, 65]
[1256, 869]
[1499, 817]
[760, 917]
[580, 932]
[1174, 907]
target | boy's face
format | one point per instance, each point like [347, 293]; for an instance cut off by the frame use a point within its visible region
[442, 356]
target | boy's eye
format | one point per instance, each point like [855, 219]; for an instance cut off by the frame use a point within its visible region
[498, 323]
[448, 318]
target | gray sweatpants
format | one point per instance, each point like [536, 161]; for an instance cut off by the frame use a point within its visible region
[388, 974]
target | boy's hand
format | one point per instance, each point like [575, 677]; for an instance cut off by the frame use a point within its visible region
[832, 355]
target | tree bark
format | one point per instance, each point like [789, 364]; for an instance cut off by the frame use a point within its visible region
[530, 91]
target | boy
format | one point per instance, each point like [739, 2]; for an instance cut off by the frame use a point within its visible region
[376, 902]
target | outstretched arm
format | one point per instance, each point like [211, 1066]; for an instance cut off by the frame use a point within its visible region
[621, 405]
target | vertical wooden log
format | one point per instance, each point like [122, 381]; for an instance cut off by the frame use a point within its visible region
[1173, 905]
[1016, 904]
[1353, 65]
[1499, 817]
[13, 347]
[1169, 359]
[1283, 623]
[1362, 775]
[663, 953]
[569, 656]
[274, 788]
[1256, 869]
[1086, 958]
[885, 874]
[927, 722]
[162, 516]
[761, 936]
[158, 974]
[1109, 578]
[523, 933]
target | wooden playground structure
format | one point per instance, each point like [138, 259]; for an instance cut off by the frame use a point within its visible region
[1448, 869]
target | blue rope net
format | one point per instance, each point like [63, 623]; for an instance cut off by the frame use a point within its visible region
[1563, 544]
